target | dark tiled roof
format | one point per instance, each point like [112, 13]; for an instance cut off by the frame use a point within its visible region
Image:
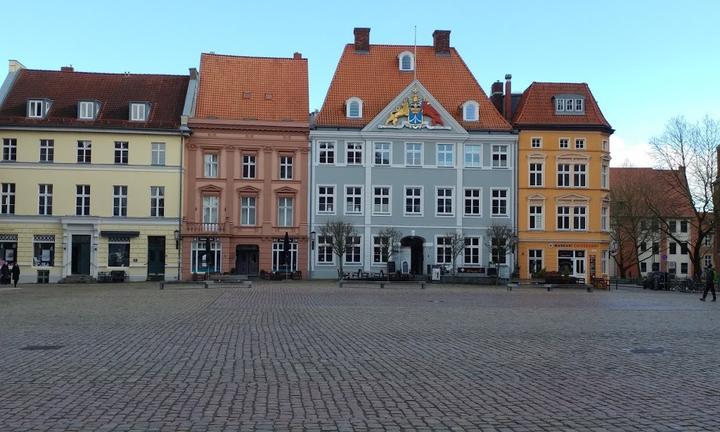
[253, 88]
[375, 78]
[165, 93]
[537, 106]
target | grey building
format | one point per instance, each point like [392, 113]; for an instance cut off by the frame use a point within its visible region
[407, 139]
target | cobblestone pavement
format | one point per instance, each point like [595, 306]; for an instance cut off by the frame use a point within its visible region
[311, 356]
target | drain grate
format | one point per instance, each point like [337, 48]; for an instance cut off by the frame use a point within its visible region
[658, 350]
[41, 347]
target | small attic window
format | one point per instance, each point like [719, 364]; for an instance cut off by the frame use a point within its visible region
[353, 107]
[406, 61]
[87, 110]
[470, 111]
[569, 104]
[139, 111]
[38, 108]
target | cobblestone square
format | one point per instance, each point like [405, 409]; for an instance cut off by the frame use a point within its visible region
[309, 356]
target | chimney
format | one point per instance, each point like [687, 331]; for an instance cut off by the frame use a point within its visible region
[507, 111]
[67, 69]
[441, 42]
[297, 56]
[193, 72]
[14, 66]
[362, 39]
[496, 96]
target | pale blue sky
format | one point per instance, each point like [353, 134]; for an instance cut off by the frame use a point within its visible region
[645, 61]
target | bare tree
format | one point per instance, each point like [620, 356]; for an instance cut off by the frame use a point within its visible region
[500, 239]
[631, 221]
[338, 231]
[688, 151]
[390, 239]
[456, 243]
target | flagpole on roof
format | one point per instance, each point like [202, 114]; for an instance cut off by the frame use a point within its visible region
[415, 53]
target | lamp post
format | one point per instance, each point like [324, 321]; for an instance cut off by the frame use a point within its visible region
[176, 235]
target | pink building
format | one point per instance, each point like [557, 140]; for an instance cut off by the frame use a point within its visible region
[246, 167]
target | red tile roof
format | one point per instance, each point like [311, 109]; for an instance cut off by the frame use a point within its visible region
[253, 88]
[166, 94]
[664, 186]
[537, 107]
[375, 78]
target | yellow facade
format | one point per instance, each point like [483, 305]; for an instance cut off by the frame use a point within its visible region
[588, 241]
[27, 227]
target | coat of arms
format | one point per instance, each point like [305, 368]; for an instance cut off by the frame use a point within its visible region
[415, 112]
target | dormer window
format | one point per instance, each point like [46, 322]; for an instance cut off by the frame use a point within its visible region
[87, 110]
[139, 111]
[470, 111]
[37, 108]
[406, 61]
[353, 108]
[569, 104]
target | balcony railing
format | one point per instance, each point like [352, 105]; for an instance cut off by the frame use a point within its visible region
[206, 227]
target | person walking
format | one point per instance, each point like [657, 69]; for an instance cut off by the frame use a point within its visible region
[709, 283]
[4, 273]
[16, 273]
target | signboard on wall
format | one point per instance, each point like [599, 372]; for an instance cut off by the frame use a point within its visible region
[592, 266]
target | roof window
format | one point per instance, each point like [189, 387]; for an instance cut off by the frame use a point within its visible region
[139, 111]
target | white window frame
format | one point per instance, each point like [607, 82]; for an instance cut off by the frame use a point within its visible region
[415, 152]
[605, 218]
[382, 196]
[534, 140]
[211, 164]
[447, 258]
[500, 150]
[120, 200]
[210, 212]
[322, 250]
[285, 211]
[606, 145]
[45, 199]
[9, 150]
[476, 150]
[249, 161]
[354, 196]
[476, 112]
[7, 198]
[278, 248]
[577, 217]
[564, 143]
[535, 174]
[580, 143]
[35, 105]
[158, 154]
[86, 110]
[349, 107]
[403, 55]
[559, 104]
[579, 102]
[356, 149]
[478, 199]
[354, 245]
[472, 247]
[157, 201]
[84, 151]
[47, 150]
[197, 248]
[441, 150]
[537, 218]
[82, 200]
[248, 210]
[326, 150]
[533, 256]
[377, 250]
[605, 176]
[122, 152]
[329, 199]
[577, 174]
[506, 199]
[380, 150]
[413, 197]
[286, 167]
[139, 111]
[451, 197]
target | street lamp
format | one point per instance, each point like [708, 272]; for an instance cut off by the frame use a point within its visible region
[312, 239]
[176, 235]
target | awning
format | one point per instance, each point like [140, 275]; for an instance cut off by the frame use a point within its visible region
[120, 233]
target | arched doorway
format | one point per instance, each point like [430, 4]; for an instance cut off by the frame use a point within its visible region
[415, 244]
[246, 259]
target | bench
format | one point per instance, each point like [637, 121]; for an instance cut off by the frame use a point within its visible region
[342, 282]
[163, 283]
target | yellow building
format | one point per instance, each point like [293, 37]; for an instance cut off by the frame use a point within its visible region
[563, 181]
[91, 173]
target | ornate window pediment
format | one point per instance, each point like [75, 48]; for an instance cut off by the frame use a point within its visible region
[248, 190]
[572, 198]
[211, 189]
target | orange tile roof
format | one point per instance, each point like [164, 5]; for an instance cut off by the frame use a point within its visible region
[375, 78]
[537, 108]
[252, 88]
[665, 186]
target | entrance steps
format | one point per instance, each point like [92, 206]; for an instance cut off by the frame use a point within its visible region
[77, 279]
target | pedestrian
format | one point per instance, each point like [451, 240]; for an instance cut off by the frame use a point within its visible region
[709, 283]
[16, 273]
[4, 273]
